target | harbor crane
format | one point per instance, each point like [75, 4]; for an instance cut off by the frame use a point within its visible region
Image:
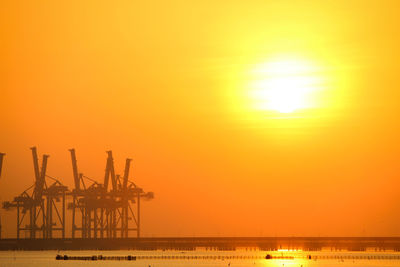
[40, 202]
[105, 212]
[99, 210]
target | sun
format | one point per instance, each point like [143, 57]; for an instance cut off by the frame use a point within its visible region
[284, 85]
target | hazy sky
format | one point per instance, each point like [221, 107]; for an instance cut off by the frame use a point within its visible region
[171, 85]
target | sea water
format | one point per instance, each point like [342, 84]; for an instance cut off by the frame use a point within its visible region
[205, 258]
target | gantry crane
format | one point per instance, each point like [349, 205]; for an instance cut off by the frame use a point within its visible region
[105, 212]
[97, 210]
[86, 200]
[41, 203]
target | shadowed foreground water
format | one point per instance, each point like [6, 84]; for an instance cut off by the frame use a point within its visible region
[205, 258]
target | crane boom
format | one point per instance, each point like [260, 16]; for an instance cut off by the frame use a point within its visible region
[40, 183]
[126, 174]
[112, 172]
[107, 174]
[35, 163]
[75, 169]
[39, 175]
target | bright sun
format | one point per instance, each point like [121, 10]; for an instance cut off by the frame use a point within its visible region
[284, 85]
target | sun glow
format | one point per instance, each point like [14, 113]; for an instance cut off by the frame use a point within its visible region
[284, 85]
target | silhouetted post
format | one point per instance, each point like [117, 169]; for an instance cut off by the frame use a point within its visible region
[1, 161]
[114, 224]
[83, 224]
[48, 219]
[138, 215]
[73, 217]
[43, 217]
[1, 166]
[108, 218]
[84, 215]
[102, 223]
[63, 212]
[95, 222]
[32, 220]
[18, 220]
[89, 223]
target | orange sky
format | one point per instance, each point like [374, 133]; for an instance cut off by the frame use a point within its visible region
[167, 83]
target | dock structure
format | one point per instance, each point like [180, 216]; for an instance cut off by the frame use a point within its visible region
[209, 243]
[96, 210]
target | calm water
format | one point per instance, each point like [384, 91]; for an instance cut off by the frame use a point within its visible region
[329, 259]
